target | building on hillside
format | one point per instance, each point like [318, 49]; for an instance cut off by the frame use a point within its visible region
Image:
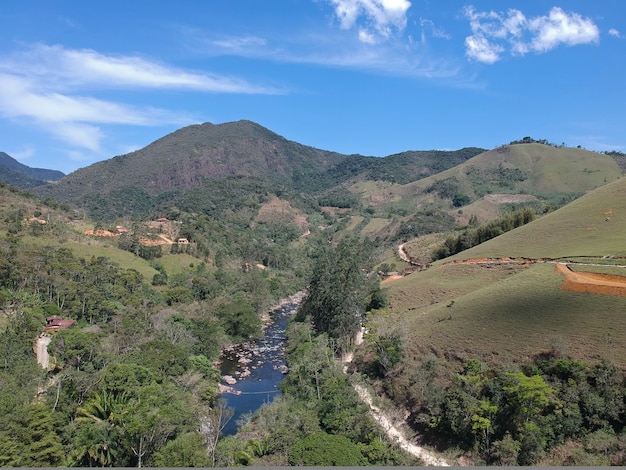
[183, 241]
[56, 323]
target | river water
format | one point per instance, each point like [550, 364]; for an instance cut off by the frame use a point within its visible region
[258, 367]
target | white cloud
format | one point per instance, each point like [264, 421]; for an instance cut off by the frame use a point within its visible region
[20, 98]
[79, 135]
[560, 27]
[74, 120]
[49, 86]
[480, 49]
[87, 67]
[615, 33]
[494, 33]
[23, 154]
[380, 17]
[435, 31]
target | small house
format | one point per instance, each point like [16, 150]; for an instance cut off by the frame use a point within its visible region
[56, 323]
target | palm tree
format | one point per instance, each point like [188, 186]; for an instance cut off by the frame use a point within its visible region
[94, 443]
[96, 439]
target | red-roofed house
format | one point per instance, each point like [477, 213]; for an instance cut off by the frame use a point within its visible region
[56, 323]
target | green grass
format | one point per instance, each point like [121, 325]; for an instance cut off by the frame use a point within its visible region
[536, 169]
[580, 228]
[98, 248]
[508, 313]
[353, 223]
[610, 270]
[503, 315]
[375, 225]
[176, 264]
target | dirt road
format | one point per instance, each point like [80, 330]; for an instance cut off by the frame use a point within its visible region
[41, 351]
[429, 458]
[386, 422]
[593, 283]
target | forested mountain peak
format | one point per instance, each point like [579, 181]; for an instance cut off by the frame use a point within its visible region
[231, 154]
[186, 157]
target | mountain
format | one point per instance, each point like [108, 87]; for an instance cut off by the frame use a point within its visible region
[236, 153]
[22, 176]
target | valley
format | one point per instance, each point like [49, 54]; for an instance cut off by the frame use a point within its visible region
[457, 282]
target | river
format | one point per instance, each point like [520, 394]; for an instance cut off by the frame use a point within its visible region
[258, 367]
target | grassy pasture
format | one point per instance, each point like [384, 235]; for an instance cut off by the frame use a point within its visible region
[176, 264]
[532, 169]
[97, 248]
[353, 222]
[506, 314]
[421, 248]
[580, 228]
[375, 225]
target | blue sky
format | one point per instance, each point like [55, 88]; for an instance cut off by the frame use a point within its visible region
[83, 81]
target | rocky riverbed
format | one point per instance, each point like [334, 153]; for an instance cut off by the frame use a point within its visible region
[252, 371]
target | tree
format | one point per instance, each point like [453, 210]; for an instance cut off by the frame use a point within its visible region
[187, 450]
[163, 356]
[212, 425]
[322, 449]
[94, 443]
[482, 423]
[239, 320]
[75, 348]
[529, 395]
[43, 447]
[337, 292]
[150, 419]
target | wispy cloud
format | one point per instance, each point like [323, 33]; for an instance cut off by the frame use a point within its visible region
[374, 19]
[335, 48]
[495, 33]
[52, 87]
[24, 153]
[615, 33]
[435, 30]
[70, 67]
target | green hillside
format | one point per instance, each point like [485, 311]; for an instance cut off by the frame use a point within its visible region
[592, 225]
[537, 174]
[239, 159]
[507, 311]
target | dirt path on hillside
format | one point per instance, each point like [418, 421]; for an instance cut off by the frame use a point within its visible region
[396, 434]
[41, 351]
[392, 429]
[593, 283]
[402, 254]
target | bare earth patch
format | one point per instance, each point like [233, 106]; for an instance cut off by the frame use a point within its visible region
[509, 198]
[41, 351]
[592, 283]
[391, 278]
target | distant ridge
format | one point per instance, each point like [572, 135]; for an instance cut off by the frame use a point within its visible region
[22, 176]
[202, 154]
[186, 157]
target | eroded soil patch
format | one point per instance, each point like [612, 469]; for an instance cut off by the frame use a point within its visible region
[592, 283]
